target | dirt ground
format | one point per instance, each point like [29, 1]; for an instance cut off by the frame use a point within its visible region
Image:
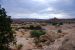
[23, 37]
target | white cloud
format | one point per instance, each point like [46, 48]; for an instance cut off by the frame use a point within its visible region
[58, 15]
[36, 15]
[39, 8]
[47, 10]
[40, 1]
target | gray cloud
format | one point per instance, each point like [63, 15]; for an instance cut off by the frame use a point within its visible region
[39, 8]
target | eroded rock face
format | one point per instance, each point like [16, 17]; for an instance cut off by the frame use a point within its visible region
[68, 43]
[67, 46]
[65, 43]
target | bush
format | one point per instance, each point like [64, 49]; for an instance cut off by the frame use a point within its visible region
[54, 23]
[6, 33]
[37, 33]
[38, 27]
[44, 24]
[19, 46]
[57, 24]
[60, 23]
[31, 27]
[59, 31]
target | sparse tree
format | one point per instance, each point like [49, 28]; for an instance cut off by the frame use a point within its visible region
[6, 33]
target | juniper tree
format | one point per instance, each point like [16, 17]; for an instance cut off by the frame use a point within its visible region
[6, 33]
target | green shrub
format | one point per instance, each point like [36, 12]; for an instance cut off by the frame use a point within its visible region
[6, 33]
[37, 33]
[60, 23]
[59, 31]
[32, 27]
[54, 23]
[57, 24]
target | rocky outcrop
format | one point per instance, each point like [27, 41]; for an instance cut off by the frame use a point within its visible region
[65, 43]
[68, 43]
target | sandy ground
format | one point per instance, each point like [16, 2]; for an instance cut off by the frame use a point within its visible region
[60, 43]
[23, 37]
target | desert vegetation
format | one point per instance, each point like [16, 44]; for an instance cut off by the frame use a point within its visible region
[7, 36]
[35, 35]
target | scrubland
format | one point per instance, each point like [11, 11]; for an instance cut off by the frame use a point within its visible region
[55, 37]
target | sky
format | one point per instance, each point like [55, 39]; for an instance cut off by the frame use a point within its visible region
[41, 9]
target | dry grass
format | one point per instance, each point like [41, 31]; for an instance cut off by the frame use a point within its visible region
[51, 37]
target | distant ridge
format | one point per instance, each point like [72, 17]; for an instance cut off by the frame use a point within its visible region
[19, 20]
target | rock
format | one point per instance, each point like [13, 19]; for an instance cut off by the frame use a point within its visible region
[68, 43]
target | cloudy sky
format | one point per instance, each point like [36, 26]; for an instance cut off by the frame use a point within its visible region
[43, 9]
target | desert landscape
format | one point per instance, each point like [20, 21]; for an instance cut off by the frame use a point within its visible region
[37, 24]
[55, 38]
